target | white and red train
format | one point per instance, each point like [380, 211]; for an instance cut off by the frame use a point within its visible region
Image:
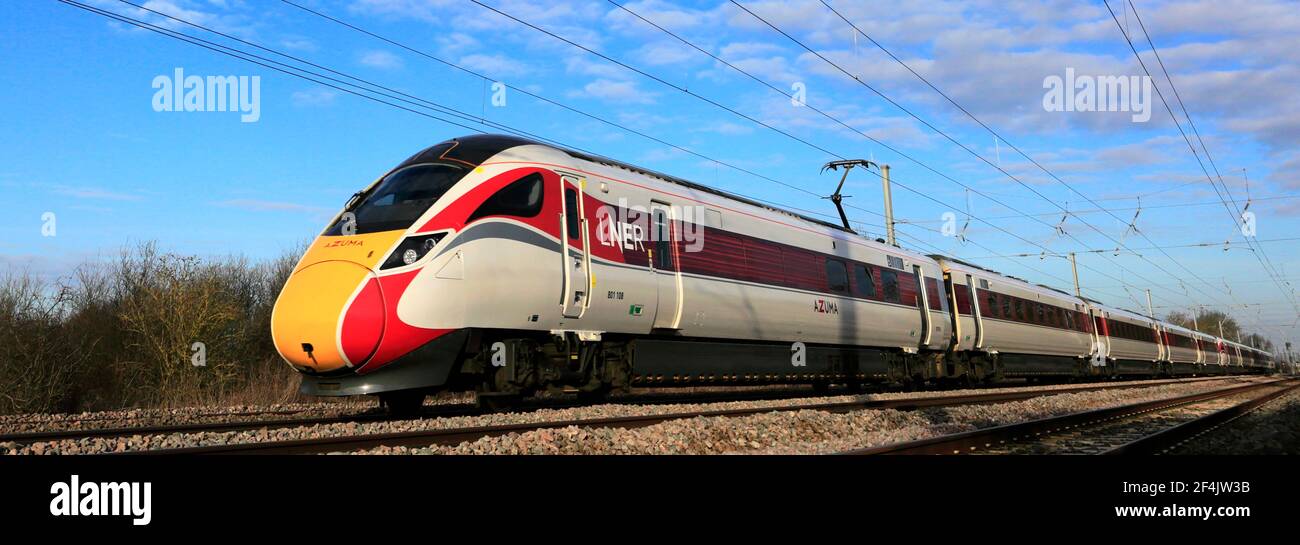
[505, 266]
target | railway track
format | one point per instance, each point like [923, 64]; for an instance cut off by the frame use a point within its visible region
[1171, 439]
[435, 411]
[1130, 428]
[451, 436]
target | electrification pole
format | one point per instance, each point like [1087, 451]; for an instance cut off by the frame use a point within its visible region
[1074, 266]
[889, 206]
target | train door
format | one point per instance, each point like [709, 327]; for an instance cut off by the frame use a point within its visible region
[923, 299]
[664, 261]
[576, 262]
[1166, 344]
[975, 311]
[961, 338]
[1101, 336]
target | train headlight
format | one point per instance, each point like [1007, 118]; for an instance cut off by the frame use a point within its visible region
[412, 249]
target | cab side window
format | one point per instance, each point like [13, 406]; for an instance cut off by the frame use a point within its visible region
[522, 198]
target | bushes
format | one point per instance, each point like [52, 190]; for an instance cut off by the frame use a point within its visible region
[41, 356]
[124, 334]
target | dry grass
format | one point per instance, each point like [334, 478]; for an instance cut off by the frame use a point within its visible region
[123, 333]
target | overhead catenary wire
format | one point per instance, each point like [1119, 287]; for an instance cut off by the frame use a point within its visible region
[996, 136]
[1118, 209]
[894, 181]
[414, 99]
[713, 102]
[1215, 245]
[1263, 258]
[939, 131]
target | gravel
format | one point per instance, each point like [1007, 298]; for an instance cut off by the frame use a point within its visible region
[183, 415]
[785, 432]
[1273, 428]
[795, 432]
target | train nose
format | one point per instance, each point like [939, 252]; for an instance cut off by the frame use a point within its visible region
[329, 315]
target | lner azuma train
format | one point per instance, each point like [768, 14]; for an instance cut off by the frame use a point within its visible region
[505, 266]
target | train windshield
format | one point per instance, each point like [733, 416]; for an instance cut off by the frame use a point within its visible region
[398, 200]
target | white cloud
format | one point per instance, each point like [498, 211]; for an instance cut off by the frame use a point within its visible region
[313, 97]
[624, 92]
[217, 15]
[662, 53]
[584, 65]
[726, 128]
[381, 59]
[662, 13]
[497, 66]
[456, 43]
[427, 10]
[299, 44]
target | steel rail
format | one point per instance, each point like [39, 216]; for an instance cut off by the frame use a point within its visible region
[451, 436]
[448, 410]
[1173, 438]
[966, 442]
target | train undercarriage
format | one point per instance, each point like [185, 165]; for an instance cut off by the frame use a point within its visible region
[506, 366]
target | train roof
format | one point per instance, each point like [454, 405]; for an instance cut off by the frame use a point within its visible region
[1027, 284]
[1125, 313]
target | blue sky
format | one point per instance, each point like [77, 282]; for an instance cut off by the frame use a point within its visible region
[82, 140]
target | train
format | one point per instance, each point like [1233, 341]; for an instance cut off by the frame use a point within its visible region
[507, 267]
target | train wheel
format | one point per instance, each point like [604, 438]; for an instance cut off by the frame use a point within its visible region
[404, 403]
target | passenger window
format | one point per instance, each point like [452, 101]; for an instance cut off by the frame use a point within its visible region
[890, 280]
[1041, 318]
[837, 276]
[1020, 310]
[863, 285]
[1006, 307]
[993, 305]
[521, 198]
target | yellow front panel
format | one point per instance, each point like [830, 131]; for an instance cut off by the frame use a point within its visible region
[314, 298]
[365, 250]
